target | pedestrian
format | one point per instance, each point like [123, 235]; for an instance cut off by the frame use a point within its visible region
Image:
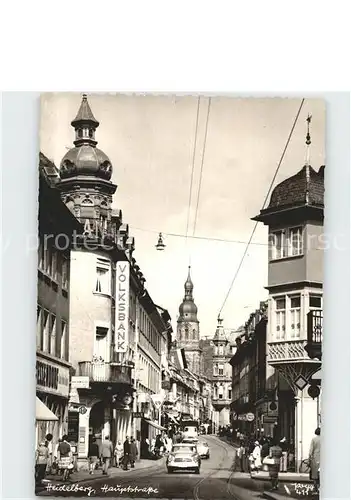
[126, 453]
[106, 454]
[256, 455]
[273, 459]
[241, 454]
[48, 443]
[93, 455]
[314, 459]
[265, 448]
[55, 465]
[41, 462]
[169, 444]
[65, 457]
[118, 453]
[133, 452]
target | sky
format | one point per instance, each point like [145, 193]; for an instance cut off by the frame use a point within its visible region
[150, 142]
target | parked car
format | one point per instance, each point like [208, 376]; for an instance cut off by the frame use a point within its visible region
[203, 450]
[183, 456]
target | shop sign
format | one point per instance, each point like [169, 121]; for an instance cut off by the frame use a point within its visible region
[138, 414]
[269, 420]
[250, 417]
[122, 307]
[80, 383]
[52, 377]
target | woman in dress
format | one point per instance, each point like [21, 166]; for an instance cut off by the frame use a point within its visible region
[275, 454]
[65, 457]
[118, 453]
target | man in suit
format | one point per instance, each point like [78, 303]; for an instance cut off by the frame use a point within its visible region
[106, 454]
[126, 453]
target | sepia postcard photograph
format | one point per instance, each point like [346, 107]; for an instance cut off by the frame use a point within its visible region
[180, 297]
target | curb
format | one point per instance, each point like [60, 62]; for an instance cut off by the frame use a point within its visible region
[91, 478]
[283, 479]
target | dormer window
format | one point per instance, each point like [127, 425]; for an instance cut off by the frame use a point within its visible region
[80, 133]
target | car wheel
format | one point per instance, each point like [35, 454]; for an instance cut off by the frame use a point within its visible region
[170, 470]
[197, 470]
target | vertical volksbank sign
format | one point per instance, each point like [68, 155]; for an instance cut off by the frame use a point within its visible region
[122, 307]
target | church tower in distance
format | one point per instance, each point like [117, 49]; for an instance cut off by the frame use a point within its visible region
[188, 328]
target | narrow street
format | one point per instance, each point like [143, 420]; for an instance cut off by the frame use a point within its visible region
[216, 480]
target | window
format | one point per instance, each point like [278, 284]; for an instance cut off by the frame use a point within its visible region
[315, 302]
[48, 259]
[64, 273]
[279, 247]
[280, 318]
[286, 243]
[186, 333]
[215, 350]
[229, 394]
[220, 370]
[101, 332]
[103, 277]
[295, 241]
[45, 330]
[63, 354]
[52, 334]
[215, 370]
[220, 392]
[39, 330]
[80, 133]
[295, 316]
[220, 350]
[54, 265]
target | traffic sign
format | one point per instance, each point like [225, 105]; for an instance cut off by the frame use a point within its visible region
[301, 382]
[82, 410]
[250, 417]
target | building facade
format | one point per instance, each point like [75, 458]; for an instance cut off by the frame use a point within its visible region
[295, 283]
[117, 332]
[56, 229]
[221, 377]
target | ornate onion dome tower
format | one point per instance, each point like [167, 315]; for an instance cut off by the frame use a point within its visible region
[85, 173]
[188, 329]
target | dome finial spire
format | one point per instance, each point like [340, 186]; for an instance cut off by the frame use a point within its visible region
[308, 139]
[85, 124]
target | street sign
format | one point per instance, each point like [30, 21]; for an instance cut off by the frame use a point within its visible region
[80, 383]
[157, 400]
[250, 417]
[301, 382]
[82, 410]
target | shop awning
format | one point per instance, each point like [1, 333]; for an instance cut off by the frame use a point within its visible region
[42, 412]
[155, 425]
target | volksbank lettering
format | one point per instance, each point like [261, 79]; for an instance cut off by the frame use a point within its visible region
[122, 306]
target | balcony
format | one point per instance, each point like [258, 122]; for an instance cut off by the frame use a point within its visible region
[314, 334]
[220, 403]
[112, 373]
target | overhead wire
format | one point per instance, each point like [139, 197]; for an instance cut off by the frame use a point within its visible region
[263, 206]
[193, 166]
[202, 166]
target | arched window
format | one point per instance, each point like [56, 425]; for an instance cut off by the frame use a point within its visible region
[186, 331]
[194, 333]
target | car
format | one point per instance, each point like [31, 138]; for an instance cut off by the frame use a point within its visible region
[183, 456]
[203, 449]
[190, 440]
[190, 431]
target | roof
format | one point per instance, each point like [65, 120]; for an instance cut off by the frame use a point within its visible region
[85, 114]
[304, 189]
[307, 186]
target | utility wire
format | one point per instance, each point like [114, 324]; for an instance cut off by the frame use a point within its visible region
[193, 166]
[202, 165]
[264, 203]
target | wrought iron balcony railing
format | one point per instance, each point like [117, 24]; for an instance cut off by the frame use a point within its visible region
[106, 372]
[314, 334]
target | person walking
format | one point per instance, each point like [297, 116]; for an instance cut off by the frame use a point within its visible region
[118, 453]
[48, 444]
[65, 457]
[41, 462]
[93, 455]
[133, 452]
[315, 458]
[241, 454]
[126, 453]
[106, 454]
[275, 454]
[256, 455]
